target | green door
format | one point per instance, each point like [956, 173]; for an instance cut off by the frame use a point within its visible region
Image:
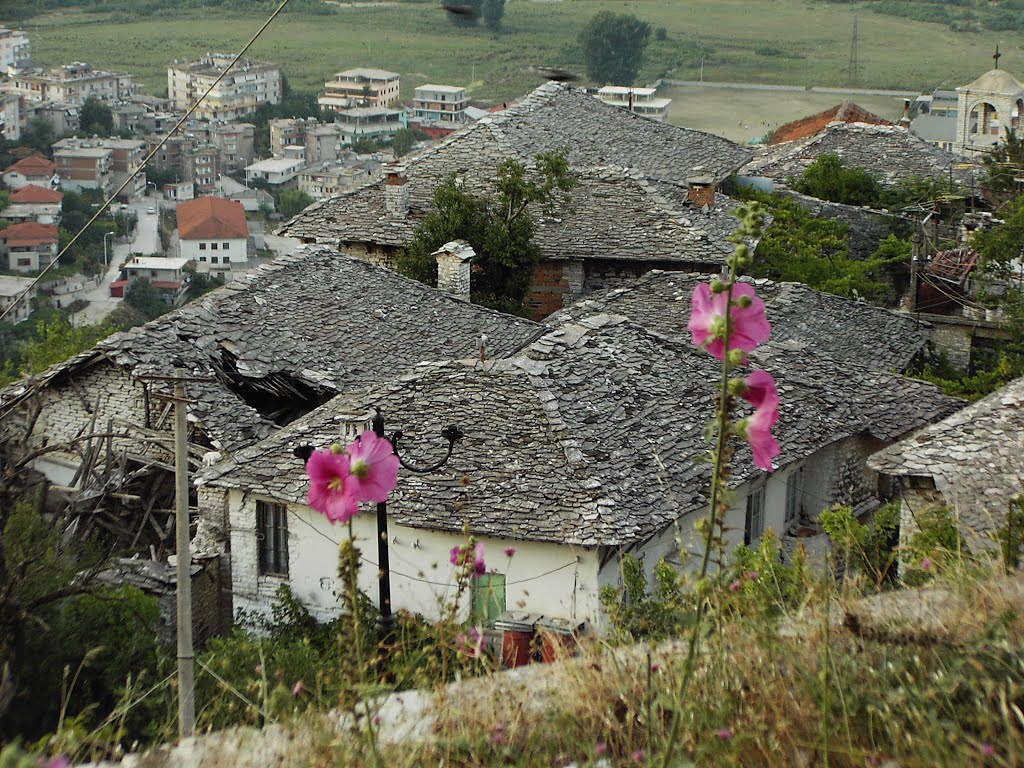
[488, 598]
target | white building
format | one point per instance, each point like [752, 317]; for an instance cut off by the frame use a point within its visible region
[167, 275]
[360, 87]
[213, 233]
[248, 85]
[10, 116]
[33, 203]
[641, 101]
[986, 109]
[11, 289]
[440, 103]
[15, 50]
[370, 123]
[279, 171]
[72, 85]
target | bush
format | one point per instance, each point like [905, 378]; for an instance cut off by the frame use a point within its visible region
[634, 613]
[867, 549]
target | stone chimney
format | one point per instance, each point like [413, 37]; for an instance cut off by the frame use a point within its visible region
[396, 193]
[905, 120]
[700, 191]
[454, 262]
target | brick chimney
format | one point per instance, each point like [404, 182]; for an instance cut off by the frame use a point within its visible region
[700, 191]
[396, 193]
[454, 262]
[905, 120]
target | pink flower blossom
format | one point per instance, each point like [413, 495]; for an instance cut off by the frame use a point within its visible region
[297, 688]
[58, 762]
[373, 467]
[471, 643]
[724, 734]
[509, 551]
[638, 756]
[734, 587]
[377, 719]
[749, 326]
[759, 434]
[987, 749]
[600, 749]
[479, 566]
[760, 390]
[926, 564]
[751, 575]
[330, 488]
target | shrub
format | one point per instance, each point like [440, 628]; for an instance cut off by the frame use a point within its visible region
[866, 549]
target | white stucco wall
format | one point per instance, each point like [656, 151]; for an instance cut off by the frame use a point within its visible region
[189, 249]
[550, 579]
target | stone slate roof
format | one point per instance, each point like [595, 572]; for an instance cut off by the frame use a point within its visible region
[976, 458]
[592, 434]
[803, 319]
[314, 324]
[888, 153]
[624, 163]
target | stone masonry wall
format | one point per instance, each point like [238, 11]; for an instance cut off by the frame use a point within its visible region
[380, 257]
[853, 483]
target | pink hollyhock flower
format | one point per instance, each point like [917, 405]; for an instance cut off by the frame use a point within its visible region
[760, 390]
[752, 575]
[734, 587]
[987, 750]
[724, 734]
[479, 566]
[759, 434]
[509, 551]
[749, 326]
[600, 749]
[297, 688]
[373, 467]
[330, 488]
[471, 643]
[926, 564]
[638, 756]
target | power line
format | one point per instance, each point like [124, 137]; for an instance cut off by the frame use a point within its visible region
[106, 204]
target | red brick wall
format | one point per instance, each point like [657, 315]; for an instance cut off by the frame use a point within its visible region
[549, 285]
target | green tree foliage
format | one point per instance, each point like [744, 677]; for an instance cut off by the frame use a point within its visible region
[499, 228]
[999, 246]
[142, 296]
[803, 248]
[613, 47]
[493, 12]
[95, 117]
[57, 340]
[293, 201]
[1004, 165]
[403, 140]
[828, 178]
[38, 134]
[869, 549]
[635, 613]
[469, 12]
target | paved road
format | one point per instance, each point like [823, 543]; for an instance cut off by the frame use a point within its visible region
[145, 241]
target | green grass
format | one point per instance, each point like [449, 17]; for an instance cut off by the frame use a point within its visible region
[799, 42]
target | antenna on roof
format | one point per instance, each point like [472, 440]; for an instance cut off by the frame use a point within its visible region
[483, 347]
[854, 66]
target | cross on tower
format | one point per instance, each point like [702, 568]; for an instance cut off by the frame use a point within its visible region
[997, 55]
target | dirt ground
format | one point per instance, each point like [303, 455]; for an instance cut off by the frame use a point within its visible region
[743, 115]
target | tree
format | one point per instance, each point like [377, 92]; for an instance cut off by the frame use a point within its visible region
[142, 296]
[613, 47]
[39, 135]
[293, 201]
[467, 14]
[96, 117]
[493, 12]
[1004, 165]
[402, 142]
[828, 178]
[499, 228]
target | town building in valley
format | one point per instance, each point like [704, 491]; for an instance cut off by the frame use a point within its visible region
[214, 234]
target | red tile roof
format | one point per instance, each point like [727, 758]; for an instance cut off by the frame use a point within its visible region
[33, 165]
[33, 193]
[847, 112]
[29, 233]
[209, 218]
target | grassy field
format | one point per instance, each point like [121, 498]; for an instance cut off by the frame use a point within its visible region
[776, 41]
[743, 115]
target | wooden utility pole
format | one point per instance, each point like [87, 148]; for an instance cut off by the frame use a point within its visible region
[915, 266]
[186, 672]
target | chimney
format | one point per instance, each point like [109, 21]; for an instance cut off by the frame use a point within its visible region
[396, 193]
[700, 191]
[905, 120]
[454, 262]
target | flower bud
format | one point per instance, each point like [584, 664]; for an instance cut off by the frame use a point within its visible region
[717, 285]
[337, 449]
[736, 357]
[742, 251]
[737, 387]
[744, 301]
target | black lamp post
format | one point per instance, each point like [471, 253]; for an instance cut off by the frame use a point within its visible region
[387, 620]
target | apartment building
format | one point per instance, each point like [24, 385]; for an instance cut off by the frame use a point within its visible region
[84, 164]
[72, 84]
[10, 116]
[28, 246]
[370, 123]
[322, 141]
[440, 103]
[15, 50]
[213, 232]
[360, 87]
[248, 85]
[20, 291]
[640, 101]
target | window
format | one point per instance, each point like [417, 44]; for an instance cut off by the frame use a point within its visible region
[225, 245]
[227, 259]
[754, 525]
[213, 259]
[272, 538]
[202, 246]
[488, 598]
[792, 497]
[213, 246]
[202, 258]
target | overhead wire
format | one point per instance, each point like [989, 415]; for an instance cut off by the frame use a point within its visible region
[106, 204]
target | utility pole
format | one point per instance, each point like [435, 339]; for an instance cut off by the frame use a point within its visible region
[186, 672]
[854, 64]
[915, 261]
